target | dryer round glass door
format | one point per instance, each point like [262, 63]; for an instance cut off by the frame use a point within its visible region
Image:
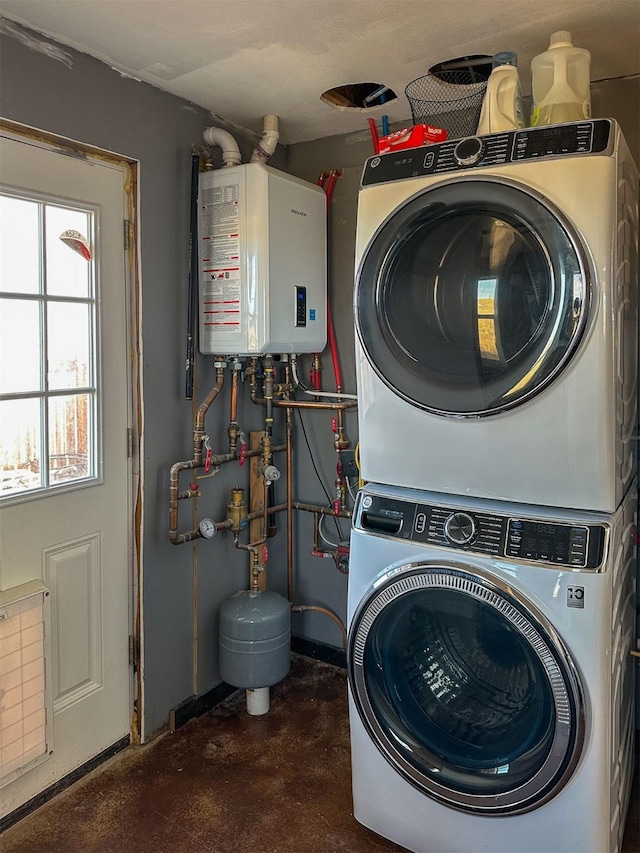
[471, 297]
[467, 691]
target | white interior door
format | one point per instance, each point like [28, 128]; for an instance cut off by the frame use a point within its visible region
[65, 497]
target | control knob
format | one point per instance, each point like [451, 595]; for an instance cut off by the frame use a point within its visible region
[469, 151]
[460, 528]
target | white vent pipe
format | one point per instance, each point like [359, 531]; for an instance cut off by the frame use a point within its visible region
[267, 145]
[230, 152]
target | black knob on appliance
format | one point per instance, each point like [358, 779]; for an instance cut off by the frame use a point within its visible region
[469, 151]
[460, 528]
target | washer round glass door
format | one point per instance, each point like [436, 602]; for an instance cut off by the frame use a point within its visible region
[467, 692]
[471, 297]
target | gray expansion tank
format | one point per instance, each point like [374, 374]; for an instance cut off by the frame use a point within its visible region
[255, 638]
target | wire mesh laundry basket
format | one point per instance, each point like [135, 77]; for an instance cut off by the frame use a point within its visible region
[448, 99]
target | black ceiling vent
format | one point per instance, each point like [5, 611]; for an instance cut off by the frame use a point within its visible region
[478, 65]
[359, 97]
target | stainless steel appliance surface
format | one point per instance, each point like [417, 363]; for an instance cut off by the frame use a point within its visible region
[496, 316]
[491, 686]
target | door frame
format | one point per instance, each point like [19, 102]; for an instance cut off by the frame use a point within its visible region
[71, 147]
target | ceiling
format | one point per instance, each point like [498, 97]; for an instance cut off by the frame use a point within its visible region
[242, 59]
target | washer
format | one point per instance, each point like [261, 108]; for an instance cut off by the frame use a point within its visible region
[496, 316]
[491, 692]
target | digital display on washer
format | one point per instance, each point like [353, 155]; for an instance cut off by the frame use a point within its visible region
[553, 543]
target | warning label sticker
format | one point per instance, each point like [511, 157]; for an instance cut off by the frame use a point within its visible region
[220, 274]
[221, 300]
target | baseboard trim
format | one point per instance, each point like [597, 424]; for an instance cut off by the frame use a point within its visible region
[64, 783]
[319, 651]
[196, 706]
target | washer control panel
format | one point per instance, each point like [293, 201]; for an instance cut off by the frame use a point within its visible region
[519, 537]
[456, 155]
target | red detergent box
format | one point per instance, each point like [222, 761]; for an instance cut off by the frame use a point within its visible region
[411, 137]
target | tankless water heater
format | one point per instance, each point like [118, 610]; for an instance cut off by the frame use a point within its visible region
[263, 262]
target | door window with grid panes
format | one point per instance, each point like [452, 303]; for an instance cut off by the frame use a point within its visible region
[48, 341]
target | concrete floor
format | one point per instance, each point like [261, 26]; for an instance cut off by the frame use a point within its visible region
[227, 782]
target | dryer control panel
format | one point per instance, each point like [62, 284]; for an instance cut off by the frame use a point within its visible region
[520, 537]
[455, 155]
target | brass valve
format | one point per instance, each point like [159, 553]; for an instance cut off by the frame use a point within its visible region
[340, 440]
[237, 510]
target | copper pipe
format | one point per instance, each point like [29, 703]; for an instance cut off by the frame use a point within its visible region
[265, 517]
[250, 546]
[222, 458]
[255, 560]
[265, 511]
[268, 390]
[278, 448]
[268, 412]
[224, 525]
[322, 510]
[272, 510]
[343, 494]
[341, 441]
[255, 572]
[208, 400]
[304, 404]
[233, 429]
[233, 406]
[173, 496]
[317, 372]
[250, 372]
[196, 462]
[289, 429]
[188, 494]
[302, 608]
[180, 538]
[251, 516]
[215, 461]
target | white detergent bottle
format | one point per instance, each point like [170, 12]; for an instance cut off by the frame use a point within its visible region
[502, 104]
[560, 82]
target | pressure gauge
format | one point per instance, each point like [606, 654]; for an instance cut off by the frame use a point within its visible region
[207, 528]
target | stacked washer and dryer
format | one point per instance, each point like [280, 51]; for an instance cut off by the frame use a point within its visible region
[492, 576]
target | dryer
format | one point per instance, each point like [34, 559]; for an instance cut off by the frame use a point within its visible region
[491, 685]
[496, 316]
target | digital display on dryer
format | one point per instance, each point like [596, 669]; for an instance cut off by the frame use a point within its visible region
[575, 138]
